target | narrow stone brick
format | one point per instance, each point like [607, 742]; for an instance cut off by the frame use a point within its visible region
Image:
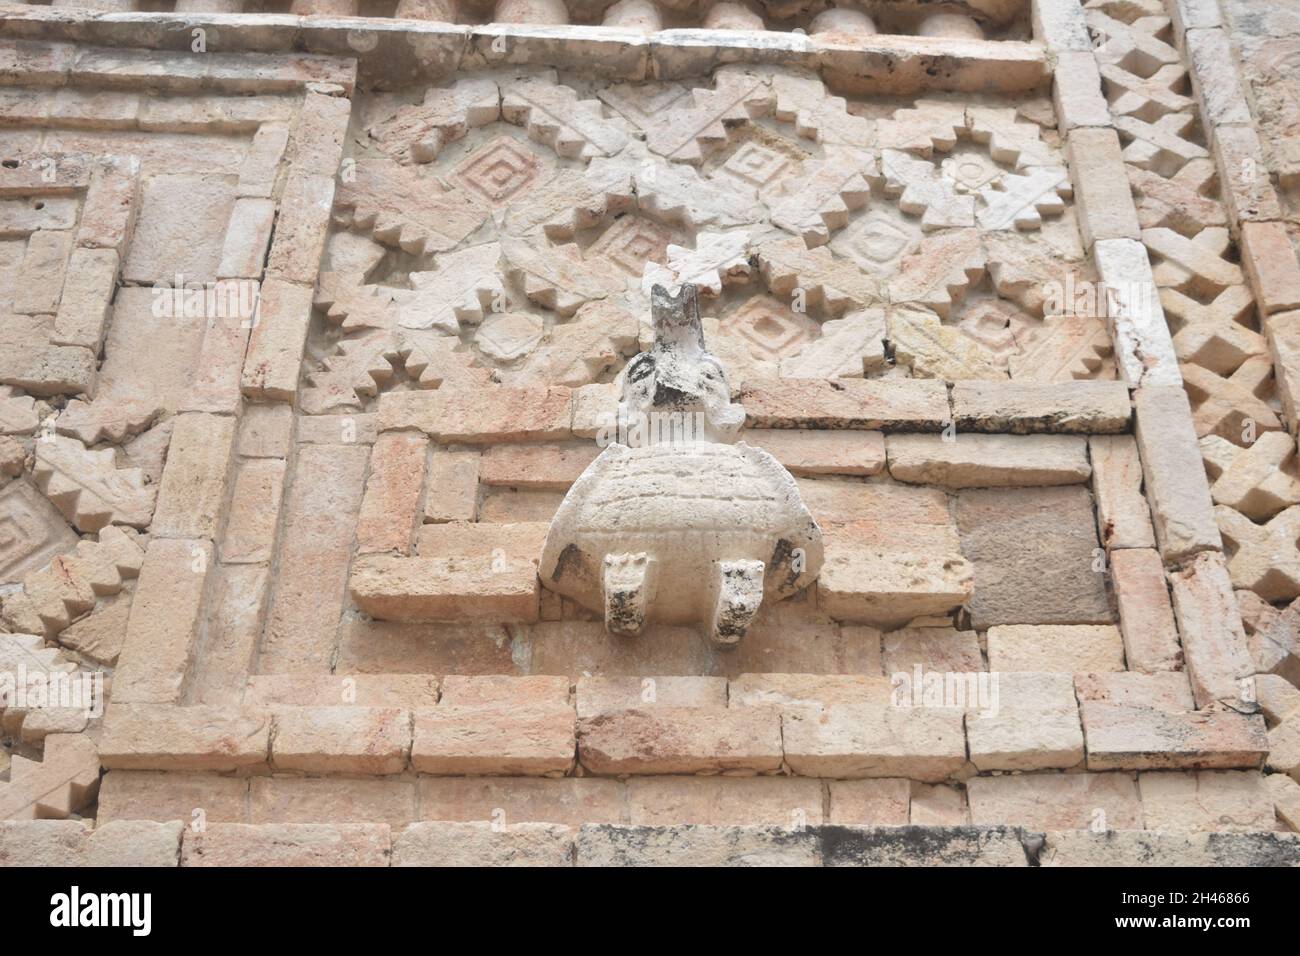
[601, 694]
[1213, 638]
[1035, 725]
[1025, 408]
[453, 486]
[344, 739]
[275, 347]
[807, 692]
[320, 131]
[1146, 617]
[811, 452]
[1282, 332]
[725, 801]
[248, 233]
[195, 478]
[165, 737]
[1065, 648]
[288, 844]
[1102, 199]
[875, 740]
[484, 844]
[40, 274]
[986, 461]
[266, 431]
[607, 845]
[1130, 737]
[236, 615]
[895, 405]
[1056, 800]
[880, 802]
[541, 467]
[496, 741]
[1145, 848]
[1219, 800]
[1247, 191]
[402, 691]
[1123, 519]
[572, 801]
[924, 846]
[1176, 486]
[163, 627]
[331, 799]
[1135, 315]
[87, 294]
[1165, 690]
[301, 227]
[390, 510]
[249, 536]
[1270, 263]
[500, 415]
[220, 361]
[315, 548]
[681, 740]
[445, 589]
[111, 205]
[153, 795]
[1076, 91]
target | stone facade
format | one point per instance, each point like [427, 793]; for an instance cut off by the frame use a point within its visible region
[310, 321]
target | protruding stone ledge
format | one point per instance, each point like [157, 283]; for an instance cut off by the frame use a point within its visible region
[164, 737]
[681, 740]
[1132, 737]
[1024, 408]
[398, 52]
[893, 405]
[75, 843]
[445, 589]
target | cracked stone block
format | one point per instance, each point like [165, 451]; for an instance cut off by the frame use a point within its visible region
[1220, 800]
[986, 461]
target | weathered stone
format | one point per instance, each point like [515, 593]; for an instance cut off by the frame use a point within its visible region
[1146, 617]
[984, 461]
[903, 404]
[601, 694]
[445, 589]
[924, 846]
[1024, 408]
[1123, 520]
[390, 510]
[1213, 639]
[1077, 648]
[725, 801]
[1133, 737]
[1035, 725]
[811, 453]
[1035, 557]
[162, 631]
[1145, 848]
[484, 844]
[165, 737]
[1102, 198]
[331, 799]
[196, 477]
[880, 802]
[681, 740]
[288, 844]
[343, 739]
[932, 649]
[1054, 801]
[1175, 479]
[695, 845]
[1220, 800]
[152, 795]
[875, 740]
[1165, 690]
[529, 740]
[571, 801]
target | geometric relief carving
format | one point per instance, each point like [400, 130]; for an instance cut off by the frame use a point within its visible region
[31, 531]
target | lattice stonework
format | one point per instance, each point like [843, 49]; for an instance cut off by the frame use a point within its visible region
[300, 351]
